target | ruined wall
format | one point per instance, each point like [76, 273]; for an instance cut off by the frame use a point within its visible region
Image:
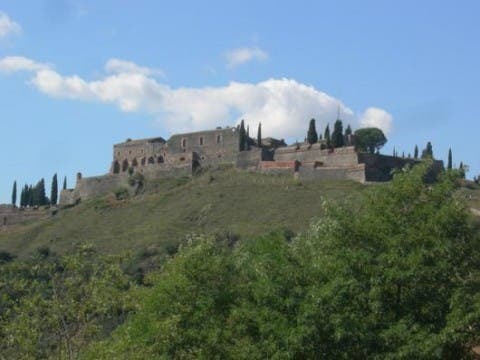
[214, 146]
[355, 173]
[249, 159]
[136, 153]
[10, 215]
[346, 156]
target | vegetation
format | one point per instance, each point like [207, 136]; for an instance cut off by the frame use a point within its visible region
[54, 191]
[338, 139]
[415, 152]
[14, 193]
[243, 139]
[369, 139]
[427, 153]
[327, 136]
[259, 135]
[398, 279]
[312, 136]
[449, 162]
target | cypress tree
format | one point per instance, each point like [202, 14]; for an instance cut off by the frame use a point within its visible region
[242, 136]
[31, 195]
[394, 152]
[14, 193]
[312, 136]
[428, 151]
[462, 170]
[337, 135]
[326, 136]
[65, 183]
[348, 134]
[54, 191]
[22, 198]
[449, 163]
[259, 135]
[415, 152]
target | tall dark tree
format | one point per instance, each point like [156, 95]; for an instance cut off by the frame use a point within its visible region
[242, 134]
[312, 136]
[337, 134]
[39, 197]
[31, 195]
[394, 154]
[54, 191]
[348, 135]
[327, 137]
[259, 135]
[449, 163]
[14, 193]
[427, 153]
[415, 152]
[65, 183]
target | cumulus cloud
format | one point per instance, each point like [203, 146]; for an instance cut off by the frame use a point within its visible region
[283, 106]
[375, 117]
[11, 64]
[240, 56]
[8, 26]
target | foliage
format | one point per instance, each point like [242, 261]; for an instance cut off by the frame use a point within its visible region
[369, 139]
[14, 193]
[337, 134]
[449, 162]
[54, 190]
[259, 135]
[415, 152]
[242, 137]
[54, 306]
[427, 153]
[312, 136]
[327, 136]
[64, 187]
[348, 135]
[398, 279]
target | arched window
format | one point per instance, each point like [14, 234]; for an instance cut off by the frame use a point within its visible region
[143, 161]
[116, 167]
[201, 140]
[125, 165]
[160, 159]
[134, 162]
[184, 142]
[219, 139]
[151, 160]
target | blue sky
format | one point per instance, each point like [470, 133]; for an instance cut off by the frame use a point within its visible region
[77, 76]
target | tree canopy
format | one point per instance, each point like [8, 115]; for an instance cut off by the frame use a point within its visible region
[369, 139]
[312, 136]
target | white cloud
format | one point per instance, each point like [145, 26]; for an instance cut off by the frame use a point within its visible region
[241, 56]
[8, 26]
[11, 64]
[117, 66]
[375, 117]
[283, 106]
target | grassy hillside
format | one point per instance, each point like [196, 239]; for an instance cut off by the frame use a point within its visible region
[218, 201]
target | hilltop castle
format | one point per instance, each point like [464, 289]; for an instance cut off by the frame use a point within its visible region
[184, 154]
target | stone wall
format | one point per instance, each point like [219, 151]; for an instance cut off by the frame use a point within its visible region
[346, 156]
[249, 159]
[309, 173]
[136, 153]
[214, 146]
[10, 215]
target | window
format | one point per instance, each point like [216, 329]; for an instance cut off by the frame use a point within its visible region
[219, 139]
[184, 143]
[201, 141]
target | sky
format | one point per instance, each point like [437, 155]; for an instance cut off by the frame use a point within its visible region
[77, 76]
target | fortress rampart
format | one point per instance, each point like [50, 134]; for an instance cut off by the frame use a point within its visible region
[183, 154]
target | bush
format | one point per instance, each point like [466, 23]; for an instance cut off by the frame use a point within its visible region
[121, 194]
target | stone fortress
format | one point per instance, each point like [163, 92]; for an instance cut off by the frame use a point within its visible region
[185, 154]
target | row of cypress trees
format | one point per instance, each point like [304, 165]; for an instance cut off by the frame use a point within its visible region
[337, 138]
[36, 195]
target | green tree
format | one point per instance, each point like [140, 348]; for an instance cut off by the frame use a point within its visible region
[348, 135]
[242, 137]
[337, 134]
[14, 193]
[327, 136]
[449, 163]
[427, 153]
[369, 139]
[54, 191]
[312, 136]
[259, 135]
[64, 183]
[415, 152]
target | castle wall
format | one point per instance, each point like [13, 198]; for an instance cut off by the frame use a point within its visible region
[310, 173]
[212, 147]
[346, 156]
[136, 153]
[249, 159]
[10, 215]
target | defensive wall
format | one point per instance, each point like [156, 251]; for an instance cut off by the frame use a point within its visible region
[10, 215]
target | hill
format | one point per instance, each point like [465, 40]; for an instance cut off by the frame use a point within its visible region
[218, 201]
